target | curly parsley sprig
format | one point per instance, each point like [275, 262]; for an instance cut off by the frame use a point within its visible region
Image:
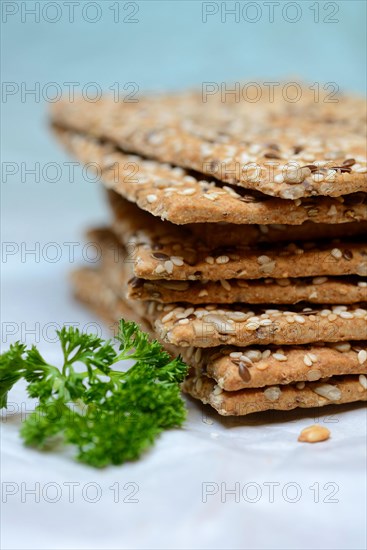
[110, 416]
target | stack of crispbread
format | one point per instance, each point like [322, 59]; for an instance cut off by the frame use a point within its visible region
[237, 238]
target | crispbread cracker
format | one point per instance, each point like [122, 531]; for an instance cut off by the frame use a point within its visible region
[160, 250]
[197, 263]
[208, 326]
[243, 143]
[318, 290]
[336, 390]
[185, 198]
[234, 369]
[236, 235]
[223, 234]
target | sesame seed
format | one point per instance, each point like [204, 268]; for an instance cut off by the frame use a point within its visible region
[252, 326]
[160, 256]
[263, 365]
[206, 149]
[307, 360]
[338, 309]
[267, 268]
[346, 315]
[183, 322]
[348, 255]
[237, 315]
[159, 269]
[362, 284]
[363, 381]
[342, 347]
[280, 357]
[177, 171]
[299, 319]
[308, 156]
[189, 179]
[217, 390]
[155, 139]
[254, 149]
[332, 393]
[190, 191]
[319, 280]
[209, 260]
[317, 177]
[188, 311]
[253, 354]
[246, 359]
[312, 212]
[313, 375]
[360, 313]
[225, 284]
[266, 354]
[331, 175]
[235, 354]
[283, 282]
[332, 210]
[262, 260]
[168, 265]
[332, 317]
[211, 197]
[253, 318]
[243, 371]
[231, 191]
[300, 385]
[362, 356]
[273, 393]
[336, 253]
[167, 317]
[266, 322]
[222, 260]
[180, 315]
[177, 260]
[151, 198]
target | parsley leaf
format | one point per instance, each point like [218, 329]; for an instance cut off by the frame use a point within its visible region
[110, 416]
